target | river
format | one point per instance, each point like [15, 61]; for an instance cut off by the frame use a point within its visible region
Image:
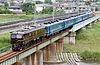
[86, 63]
[89, 63]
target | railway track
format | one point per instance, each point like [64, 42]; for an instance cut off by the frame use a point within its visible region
[11, 54]
[41, 20]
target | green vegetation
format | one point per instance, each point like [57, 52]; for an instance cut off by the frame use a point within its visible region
[14, 17]
[6, 4]
[59, 12]
[11, 18]
[47, 10]
[48, 1]
[28, 7]
[87, 42]
[96, 9]
[90, 55]
[88, 3]
[39, 2]
[5, 11]
[4, 40]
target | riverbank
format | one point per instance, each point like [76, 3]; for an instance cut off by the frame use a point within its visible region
[87, 43]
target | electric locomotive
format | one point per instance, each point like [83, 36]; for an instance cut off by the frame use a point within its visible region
[21, 39]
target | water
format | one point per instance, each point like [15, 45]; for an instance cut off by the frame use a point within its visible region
[89, 63]
[85, 63]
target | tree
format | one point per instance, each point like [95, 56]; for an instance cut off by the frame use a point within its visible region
[47, 10]
[88, 3]
[6, 4]
[27, 7]
[96, 9]
[39, 2]
[48, 1]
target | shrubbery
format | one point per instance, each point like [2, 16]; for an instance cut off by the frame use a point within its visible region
[96, 9]
[5, 11]
[90, 55]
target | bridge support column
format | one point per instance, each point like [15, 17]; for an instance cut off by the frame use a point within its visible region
[84, 28]
[53, 52]
[50, 52]
[41, 57]
[94, 22]
[57, 47]
[46, 53]
[90, 25]
[60, 45]
[72, 37]
[38, 59]
[66, 40]
[26, 61]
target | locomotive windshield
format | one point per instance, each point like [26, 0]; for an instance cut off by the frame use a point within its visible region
[13, 36]
[19, 36]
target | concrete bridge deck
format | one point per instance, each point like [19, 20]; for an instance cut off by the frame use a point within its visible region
[20, 56]
[84, 23]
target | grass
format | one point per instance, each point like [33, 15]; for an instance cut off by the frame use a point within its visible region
[13, 17]
[4, 40]
[88, 39]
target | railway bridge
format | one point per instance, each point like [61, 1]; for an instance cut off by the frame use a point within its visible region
[45, 51]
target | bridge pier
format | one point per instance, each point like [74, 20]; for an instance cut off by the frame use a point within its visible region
[72, 38]
[50, 52]
[94, 22]
[60, 42]
[84, 28]
[90, 25]
[38, 59]
[66, 39]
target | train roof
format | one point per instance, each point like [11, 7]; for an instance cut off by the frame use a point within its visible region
[27, 30]
[66, 19]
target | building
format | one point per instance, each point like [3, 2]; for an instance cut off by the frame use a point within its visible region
[15, 9]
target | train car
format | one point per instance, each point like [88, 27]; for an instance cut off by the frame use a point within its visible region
[53, 28]
[90, 14]
[68, 23]
[23, 38]
[65, 23]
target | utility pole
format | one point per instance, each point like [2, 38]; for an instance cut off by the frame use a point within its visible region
[35, 22]
[53, 12]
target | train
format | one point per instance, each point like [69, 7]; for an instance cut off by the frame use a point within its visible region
[31, 35]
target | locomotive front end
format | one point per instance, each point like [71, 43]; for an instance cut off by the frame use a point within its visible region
[16, 41]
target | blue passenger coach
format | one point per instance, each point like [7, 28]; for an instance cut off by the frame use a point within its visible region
[53, 28]
[63, 24]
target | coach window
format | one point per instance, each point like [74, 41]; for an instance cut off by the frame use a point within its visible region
[13, 36]
[19, 36]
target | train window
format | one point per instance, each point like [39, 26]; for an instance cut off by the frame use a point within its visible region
[56, 27]
[25, 36]
[19, 36]
[13, 36]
